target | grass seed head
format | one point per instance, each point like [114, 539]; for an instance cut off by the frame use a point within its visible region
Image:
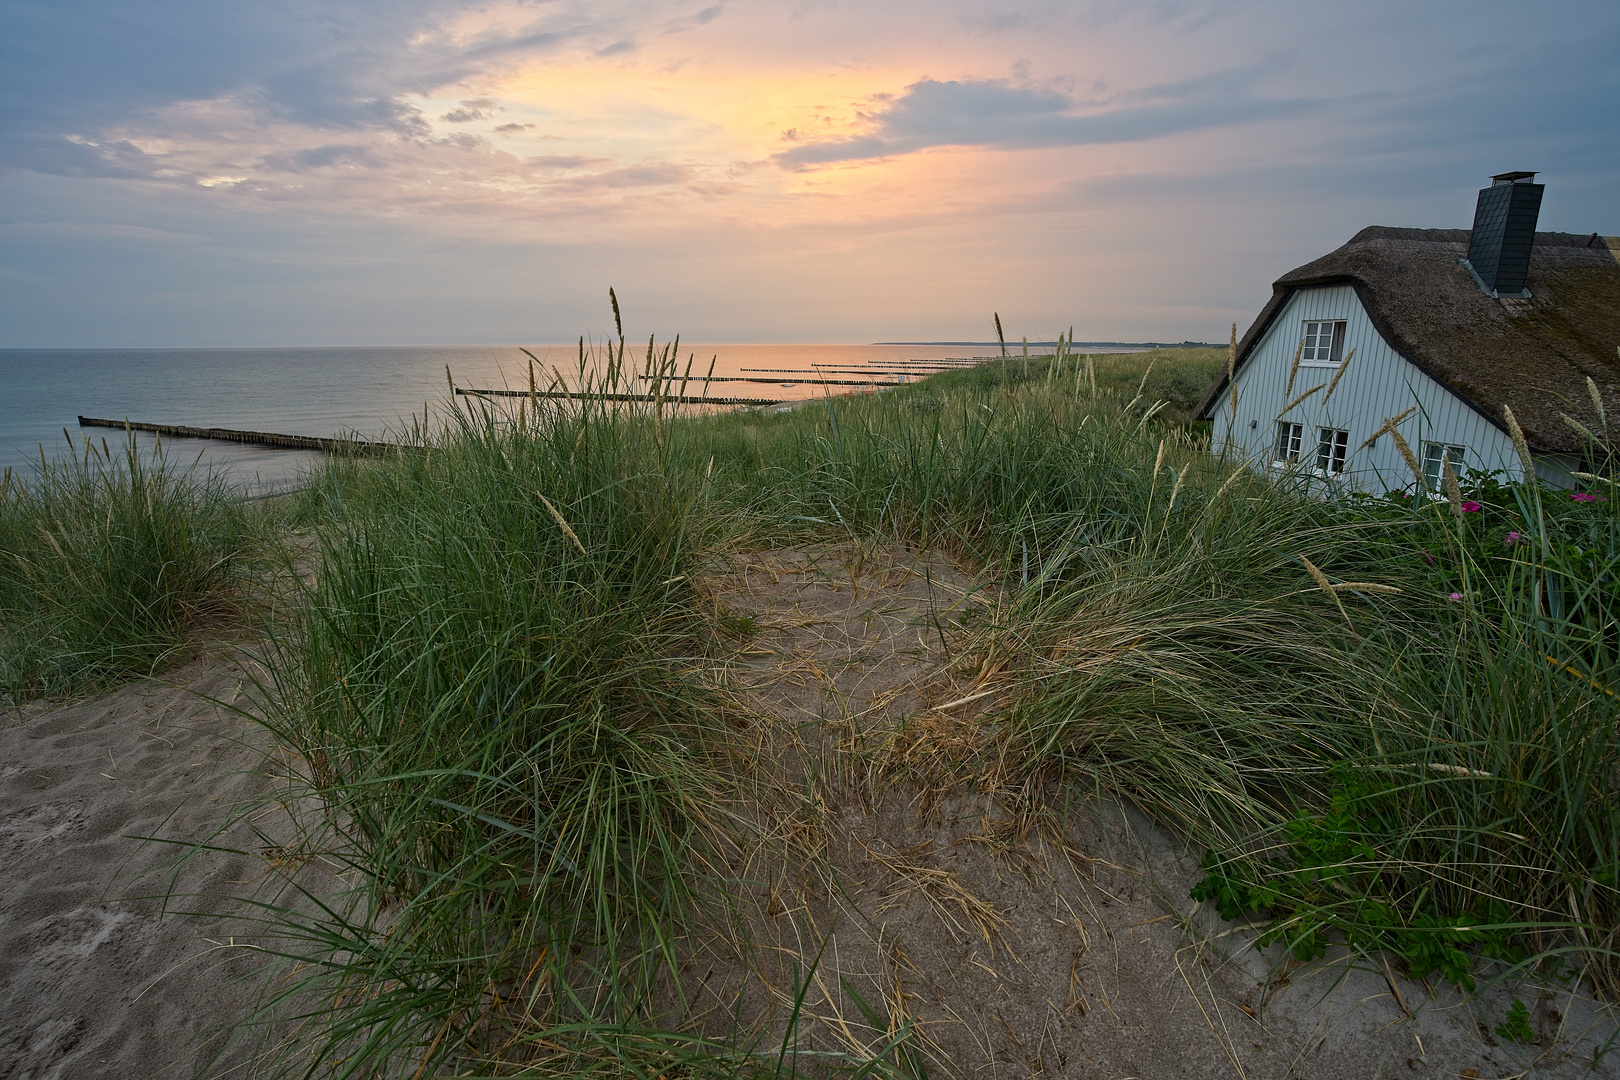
[1141, 387]
[1297, 400]
[1526, 462]
[561, 524]
[1337, 375]
[1388, 427]
[1406, 454]
[1579, 428]
[1327, 587]
[1453, 489]
[1226, 485]
[1293, 369]
[1231, 372]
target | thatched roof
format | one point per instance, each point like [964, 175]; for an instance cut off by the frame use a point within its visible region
[1533, 355]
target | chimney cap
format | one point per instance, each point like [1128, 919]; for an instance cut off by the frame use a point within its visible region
[1512, 177]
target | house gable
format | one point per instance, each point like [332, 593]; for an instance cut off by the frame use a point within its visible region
[1375, 383]
[1534, 353]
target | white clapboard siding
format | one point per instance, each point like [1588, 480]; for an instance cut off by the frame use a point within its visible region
[1377, 384]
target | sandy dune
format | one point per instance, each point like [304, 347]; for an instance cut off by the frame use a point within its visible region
[1086, 963]
[1017, 957]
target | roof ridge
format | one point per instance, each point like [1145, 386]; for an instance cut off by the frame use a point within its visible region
[1546, 239]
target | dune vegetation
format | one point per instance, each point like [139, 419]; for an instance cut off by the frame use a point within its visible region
[110, 559]
[1388, 720]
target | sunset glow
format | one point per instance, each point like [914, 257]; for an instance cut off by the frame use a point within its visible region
[758, 171]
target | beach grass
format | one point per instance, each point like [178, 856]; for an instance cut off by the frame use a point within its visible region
[111, 558]
[994, 461]
[497, 685]
[1390, 722]
[1371, 757]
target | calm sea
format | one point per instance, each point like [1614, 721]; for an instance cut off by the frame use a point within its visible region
[327, 392]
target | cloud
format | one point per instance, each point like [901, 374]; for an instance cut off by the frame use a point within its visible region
[73, 67]
[1100, 14]
[57, 155]
[634, 176]
[101, 230]
[645, 176]
[692, 22]
[994, 113]
[85, 67]
[538, 42]
[320, 157]
[561, 161]
[462, 140]
[306, 136]
[330, 97]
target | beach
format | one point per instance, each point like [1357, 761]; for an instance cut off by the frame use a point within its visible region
[115, 959]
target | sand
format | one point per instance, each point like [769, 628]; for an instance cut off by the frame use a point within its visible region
[1080, 955]
[1072, 956]
[94, 980]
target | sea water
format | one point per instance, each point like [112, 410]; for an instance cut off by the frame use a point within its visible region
[365, 392]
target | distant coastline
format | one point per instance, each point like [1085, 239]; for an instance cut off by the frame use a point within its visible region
[1073, 344]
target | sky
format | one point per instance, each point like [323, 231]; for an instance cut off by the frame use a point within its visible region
[197, 173]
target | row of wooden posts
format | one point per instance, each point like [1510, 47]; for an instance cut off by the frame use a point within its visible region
[279, 441]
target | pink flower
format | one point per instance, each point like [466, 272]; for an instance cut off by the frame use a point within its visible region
[1454, 597]
[1511, 538]
[1582, 496]
[1470, 507]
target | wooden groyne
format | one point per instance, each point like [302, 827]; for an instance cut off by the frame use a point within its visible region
[782, 379]
[674, 399]
[251, 438]
[824, 370]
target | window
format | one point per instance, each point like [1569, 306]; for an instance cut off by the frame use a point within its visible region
[1331, 445]
[1434, 457]
[1323, 343]
[1289, 438]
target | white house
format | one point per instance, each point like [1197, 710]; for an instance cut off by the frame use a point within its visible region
[1436, 329]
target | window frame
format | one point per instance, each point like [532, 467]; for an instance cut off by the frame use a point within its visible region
[1292, 436]
[1340, 328]
[1459, 463]
[1332, 450]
